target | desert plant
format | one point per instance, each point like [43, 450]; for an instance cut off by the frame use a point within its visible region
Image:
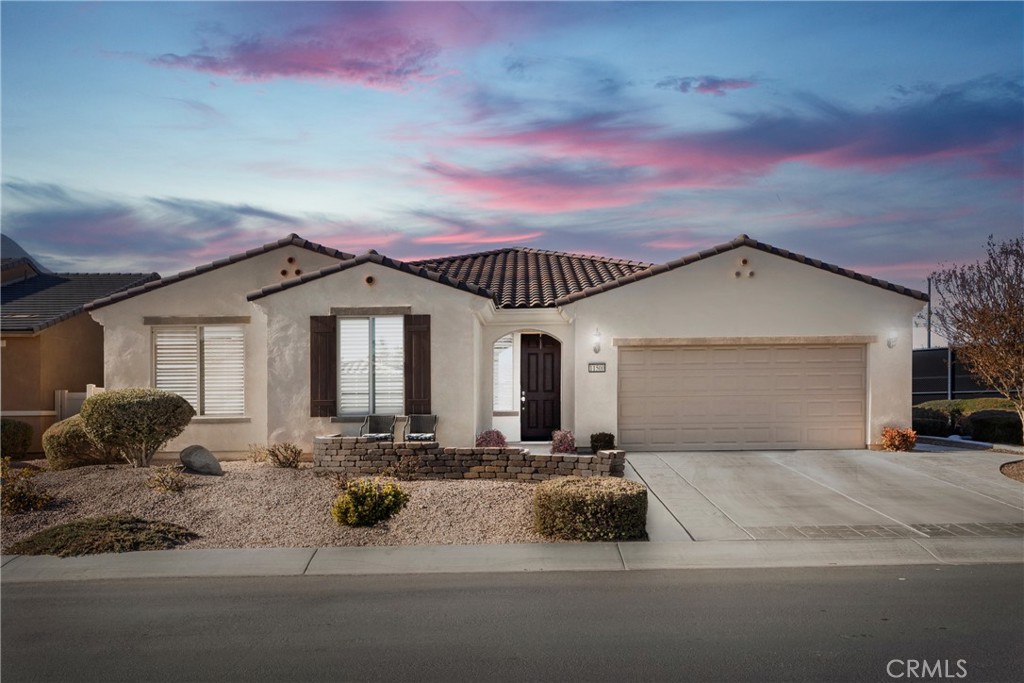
[114, 534]
[591, 509]
[167, 479]
[491, 438]
[898, 439]
[67, 445]
[602, 441]
[284, 454]
[405, 469]
[563, 441]
[258, 452]
[18, 493]
[364, 502]
[135, 422]
[15, 437]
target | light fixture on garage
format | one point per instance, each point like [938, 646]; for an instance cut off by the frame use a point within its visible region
[597, 340]
[892, 339]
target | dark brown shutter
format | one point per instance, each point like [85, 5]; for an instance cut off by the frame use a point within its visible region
[323, 366]
[417, 365]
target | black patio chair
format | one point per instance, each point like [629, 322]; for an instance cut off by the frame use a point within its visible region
[421, 428]
[378, 427]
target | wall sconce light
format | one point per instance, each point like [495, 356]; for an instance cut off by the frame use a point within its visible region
[597, 340]
[892, 339]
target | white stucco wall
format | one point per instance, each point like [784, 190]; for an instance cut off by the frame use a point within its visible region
[454, 342]
[127, 342]
[782, 299]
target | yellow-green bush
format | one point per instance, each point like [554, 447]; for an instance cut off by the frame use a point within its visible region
[15, 437]
[66, 445]
[591, 509]
[18, 492]
[135, 422]
[364, 502]
[167, 479]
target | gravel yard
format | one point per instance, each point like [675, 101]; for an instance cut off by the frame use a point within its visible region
[257, 506]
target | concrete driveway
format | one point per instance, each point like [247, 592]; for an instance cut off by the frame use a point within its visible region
[846, 494]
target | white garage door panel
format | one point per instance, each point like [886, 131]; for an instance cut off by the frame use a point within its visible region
[742, 397]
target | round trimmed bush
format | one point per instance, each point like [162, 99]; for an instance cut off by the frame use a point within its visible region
[15, 437]
[364, 502]
[491, 438]
[602, 441]
[591, 509]
[66, 445]
[135, 422]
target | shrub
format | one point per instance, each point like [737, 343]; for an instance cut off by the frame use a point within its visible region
[135, 422]
[927, 426]
[602, 441]
[591, 509]
[15, 437]
[115, 534]
[167, 479]
[405, 469]
[66, 445]
[258, 452]
[563, 442]
[491, 438]
[284, 454]
[18, 492]
[897, 439]
[364, 502]
[994, 426]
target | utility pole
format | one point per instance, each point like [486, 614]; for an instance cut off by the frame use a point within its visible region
[929, 321]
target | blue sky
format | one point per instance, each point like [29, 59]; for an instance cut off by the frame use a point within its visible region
[886, 137]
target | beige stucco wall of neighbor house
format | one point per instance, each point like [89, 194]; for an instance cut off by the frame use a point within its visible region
[454, 349]
[128, 353]
[783, 298]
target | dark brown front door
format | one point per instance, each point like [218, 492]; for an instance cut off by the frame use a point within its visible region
[541, 387]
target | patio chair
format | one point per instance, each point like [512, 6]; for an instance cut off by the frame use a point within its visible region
[421, 428]
[378, 427]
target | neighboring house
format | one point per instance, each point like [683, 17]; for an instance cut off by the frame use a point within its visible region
[742, 346]
[51, 350]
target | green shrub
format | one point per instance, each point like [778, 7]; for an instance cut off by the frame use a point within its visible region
[18, 492]
[927, 426]
[898, 439]
[602, 441]
[67, 445]
[15, 437]
[115, 534]
[135, 422]
[364, 502]
[966, 406]
[167, 479]
[994, 426]
[591, 509]
[284, 455]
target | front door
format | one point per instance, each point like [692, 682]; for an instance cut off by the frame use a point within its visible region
[541, 385]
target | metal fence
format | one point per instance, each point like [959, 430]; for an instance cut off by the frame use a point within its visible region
[938, 375]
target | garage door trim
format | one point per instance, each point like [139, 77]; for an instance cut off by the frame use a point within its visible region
[742, 341]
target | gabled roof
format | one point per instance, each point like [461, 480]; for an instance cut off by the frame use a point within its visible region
[532, 278]
[740, 241]
[291, 239]
[42, 301]
[371, 257]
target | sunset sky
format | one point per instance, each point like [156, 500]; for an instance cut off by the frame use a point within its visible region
[885, 137]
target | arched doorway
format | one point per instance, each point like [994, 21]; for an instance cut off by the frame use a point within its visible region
[540, 387]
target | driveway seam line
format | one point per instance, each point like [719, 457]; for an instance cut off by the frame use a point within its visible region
[717, 507]
[927, 550]
[848, 497]
[309, 561]
[651, 491]
[618, 547]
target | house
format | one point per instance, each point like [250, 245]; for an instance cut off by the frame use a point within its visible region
[51, 350]
[742, 346]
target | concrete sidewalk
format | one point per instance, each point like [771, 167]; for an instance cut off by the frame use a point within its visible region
[539, 557]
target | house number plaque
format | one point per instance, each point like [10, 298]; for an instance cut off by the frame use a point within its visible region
[596, 367]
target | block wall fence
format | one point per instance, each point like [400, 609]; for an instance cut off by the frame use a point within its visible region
[359, 456]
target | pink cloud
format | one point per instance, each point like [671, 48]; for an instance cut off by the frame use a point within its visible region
[705, 85]
[478, 237]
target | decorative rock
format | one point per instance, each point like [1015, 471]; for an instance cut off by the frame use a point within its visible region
[198, 459]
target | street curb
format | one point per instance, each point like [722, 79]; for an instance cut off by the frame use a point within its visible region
[535, 557]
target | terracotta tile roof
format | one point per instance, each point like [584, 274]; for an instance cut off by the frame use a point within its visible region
[741, 241]
[46, 299]
[532, 278]
[371, 257]
[291, 239]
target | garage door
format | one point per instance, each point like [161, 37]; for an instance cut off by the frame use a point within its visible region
[741, 397]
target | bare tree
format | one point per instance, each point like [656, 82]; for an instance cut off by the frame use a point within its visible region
[981, 313]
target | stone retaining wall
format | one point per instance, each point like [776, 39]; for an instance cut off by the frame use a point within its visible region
[359, 456]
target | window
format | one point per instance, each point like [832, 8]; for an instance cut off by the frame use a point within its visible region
[204, 364]
[504, 376]
[371, 365]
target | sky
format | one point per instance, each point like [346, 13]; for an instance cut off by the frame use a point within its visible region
[884, 137]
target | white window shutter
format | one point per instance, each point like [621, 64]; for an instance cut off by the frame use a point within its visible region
[223, 370]
[388, 366]
[176, 351]
[353, 366]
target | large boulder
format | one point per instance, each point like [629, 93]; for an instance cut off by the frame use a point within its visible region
[198, 459]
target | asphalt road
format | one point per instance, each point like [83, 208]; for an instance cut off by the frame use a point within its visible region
[832, 624]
